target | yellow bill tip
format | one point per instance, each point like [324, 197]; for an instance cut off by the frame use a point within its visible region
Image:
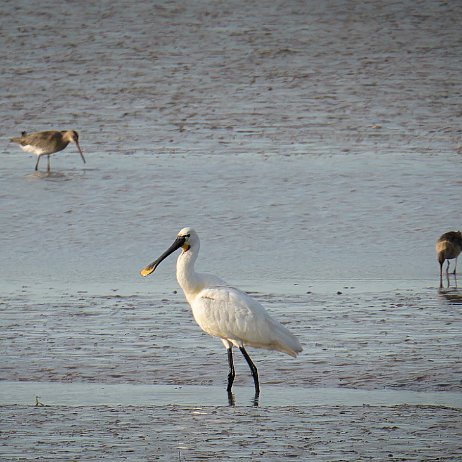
[147, 271]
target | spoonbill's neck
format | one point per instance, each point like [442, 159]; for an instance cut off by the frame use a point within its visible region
[190, 281]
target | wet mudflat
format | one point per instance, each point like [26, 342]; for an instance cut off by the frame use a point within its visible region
[182, 433]
[404, 339]
[379, 378]
[315, 147]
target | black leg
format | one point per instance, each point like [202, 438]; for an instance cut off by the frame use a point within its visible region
[231, 402]
[252, 368]
[36, 165]
[48, 164]
[231, 374]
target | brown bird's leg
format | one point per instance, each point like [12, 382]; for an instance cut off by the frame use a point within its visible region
[447, 274]
[253, 370]
[48, 169]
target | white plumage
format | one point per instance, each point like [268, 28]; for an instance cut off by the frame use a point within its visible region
[234, 316]
[223, 311]
[34, 149]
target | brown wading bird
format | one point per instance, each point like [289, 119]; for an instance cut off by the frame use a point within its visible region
[47, 143]
[448, 246]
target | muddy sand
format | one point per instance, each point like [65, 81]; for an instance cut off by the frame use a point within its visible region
[315, 147]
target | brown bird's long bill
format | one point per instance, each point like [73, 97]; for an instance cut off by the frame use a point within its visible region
[147, 270]
[81, 153]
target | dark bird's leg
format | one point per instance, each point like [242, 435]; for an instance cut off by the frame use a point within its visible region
[447, 274]
[231, 374]
[38, 160]
[231, 401]
[253, 369]
[441, 274]
[455, 266]
[48, 169]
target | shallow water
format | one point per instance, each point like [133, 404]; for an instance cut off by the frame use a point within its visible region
[315, 147]
[54, 394]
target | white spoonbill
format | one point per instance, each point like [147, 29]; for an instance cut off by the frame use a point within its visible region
[223, 311]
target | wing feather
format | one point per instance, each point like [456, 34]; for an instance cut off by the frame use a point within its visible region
[231, 314]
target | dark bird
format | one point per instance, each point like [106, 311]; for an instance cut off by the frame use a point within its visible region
[47, 143]
[448, 247]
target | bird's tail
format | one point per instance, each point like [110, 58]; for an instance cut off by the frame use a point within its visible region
[286, 342]
[18, 139]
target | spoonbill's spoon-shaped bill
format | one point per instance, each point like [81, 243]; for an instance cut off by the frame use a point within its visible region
[224, 311]
[179, 242]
